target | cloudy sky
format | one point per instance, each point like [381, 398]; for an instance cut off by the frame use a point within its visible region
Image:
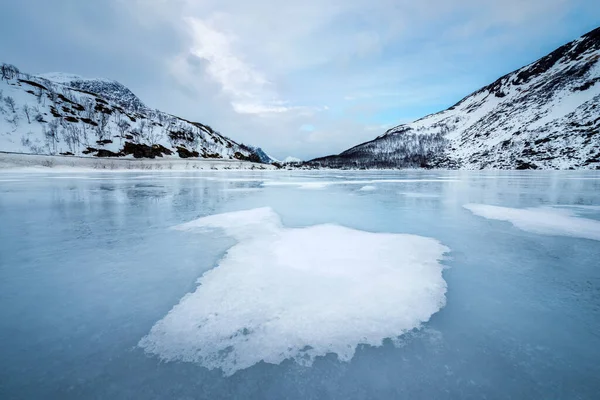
[304, 78]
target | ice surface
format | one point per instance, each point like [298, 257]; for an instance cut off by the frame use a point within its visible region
[419, 195]
[299, 293]
[541, 220]
[89, 266]
[579, 207]
[248, 189]
[321, 184]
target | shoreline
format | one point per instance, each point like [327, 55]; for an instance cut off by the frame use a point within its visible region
[23, 162]
[20, 161]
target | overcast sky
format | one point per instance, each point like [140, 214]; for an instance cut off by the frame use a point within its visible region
[303, 78]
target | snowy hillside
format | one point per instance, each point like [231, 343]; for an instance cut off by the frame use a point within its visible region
[544, 115]
[66, 114]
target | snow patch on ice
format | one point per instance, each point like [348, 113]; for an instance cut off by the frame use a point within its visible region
[367, 188]
[299, 293]
[541, 220]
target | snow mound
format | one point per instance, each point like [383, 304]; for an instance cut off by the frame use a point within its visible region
[541, 220]
[299, 293]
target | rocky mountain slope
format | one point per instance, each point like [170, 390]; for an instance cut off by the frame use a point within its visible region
[263, 156]
[66, 114]
[545, 115]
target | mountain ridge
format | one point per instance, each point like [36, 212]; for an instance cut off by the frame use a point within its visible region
[108, 88]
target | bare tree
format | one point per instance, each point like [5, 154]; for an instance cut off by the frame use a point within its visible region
[137, 134]
[53, 96]
[27, 111]
[198, 135]
[102, 122]
[84, 135]
[143, 126]
[122, 126]
[51, 135]
[90, 114]
[152, 134]
[89, 111]
[8, 71]
[68, 94]
[149, 132]
[39, 94]
[31, 145]
[25, 142]
[169, 127]
[10, 104]
[14, 121]
[72, 137]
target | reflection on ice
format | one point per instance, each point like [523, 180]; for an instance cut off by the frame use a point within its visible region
[419, 195]
[300, 293]
[321, 184]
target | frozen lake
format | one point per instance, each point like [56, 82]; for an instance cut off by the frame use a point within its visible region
[350, 285]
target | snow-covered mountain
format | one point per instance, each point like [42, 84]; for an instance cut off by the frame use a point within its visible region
[267, 159]
[66, 114]
[544, 115]
[263, 156]
[292, 160]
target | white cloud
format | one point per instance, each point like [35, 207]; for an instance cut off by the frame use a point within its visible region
[259, 71]
[250, 92]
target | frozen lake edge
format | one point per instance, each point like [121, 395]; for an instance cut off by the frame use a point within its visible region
[12, 161]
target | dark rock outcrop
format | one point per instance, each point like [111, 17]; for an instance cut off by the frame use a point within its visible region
[144, 151]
